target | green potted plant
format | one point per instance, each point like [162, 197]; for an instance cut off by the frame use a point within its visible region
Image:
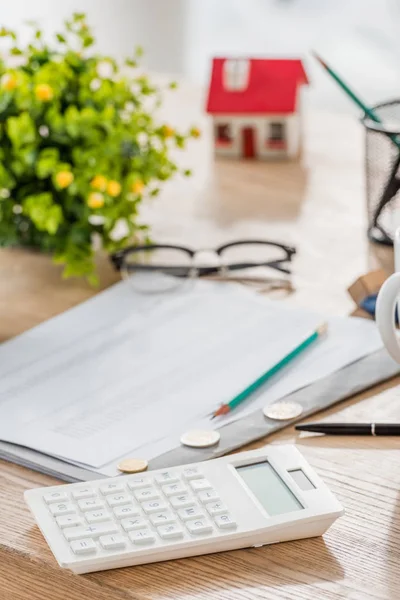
[80, 147]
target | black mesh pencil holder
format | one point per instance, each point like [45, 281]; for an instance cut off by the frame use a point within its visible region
[383, 172]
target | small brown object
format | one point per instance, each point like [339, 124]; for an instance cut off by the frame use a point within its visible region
[367, 284]
[133, 465]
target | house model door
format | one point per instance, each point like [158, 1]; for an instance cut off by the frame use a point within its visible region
[248, 142]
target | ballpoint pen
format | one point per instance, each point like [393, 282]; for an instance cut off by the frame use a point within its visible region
[351, 428]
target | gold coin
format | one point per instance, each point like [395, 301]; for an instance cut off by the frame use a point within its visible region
[200, 438]
[132, 465]
[283, 411]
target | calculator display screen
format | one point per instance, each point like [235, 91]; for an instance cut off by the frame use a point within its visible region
[269, 489]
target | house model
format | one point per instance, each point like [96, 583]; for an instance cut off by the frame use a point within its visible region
[255, 105]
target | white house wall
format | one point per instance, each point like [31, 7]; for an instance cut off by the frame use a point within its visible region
[259, 124]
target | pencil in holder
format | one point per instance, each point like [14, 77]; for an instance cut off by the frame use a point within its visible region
[382, 165]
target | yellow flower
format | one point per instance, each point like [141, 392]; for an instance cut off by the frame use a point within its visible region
[44, 92]
[9, 82]
[195, 132]
[64, 179]
[114, 188]
[99, 183]
[137, 186]
[95, 200]
[167, 131]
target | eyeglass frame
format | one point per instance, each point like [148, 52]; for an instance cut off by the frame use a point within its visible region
[117, 258]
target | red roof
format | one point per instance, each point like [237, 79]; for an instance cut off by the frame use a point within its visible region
[272, 87]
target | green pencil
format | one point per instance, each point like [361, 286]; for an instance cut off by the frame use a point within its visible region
[368, 111]
[226, 408]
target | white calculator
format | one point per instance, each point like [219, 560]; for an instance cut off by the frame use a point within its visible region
[247, 499]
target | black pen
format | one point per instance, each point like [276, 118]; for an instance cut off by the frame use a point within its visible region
[352, 428]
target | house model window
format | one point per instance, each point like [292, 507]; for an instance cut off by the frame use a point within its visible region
[277, 132]
[276, 135]
[236, 74]
[223, 134]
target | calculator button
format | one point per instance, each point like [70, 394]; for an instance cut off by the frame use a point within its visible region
[97, 516]
[208, 496]
[126, 511]
[199, 526]
[172, 531]
[182, 501]
[225, 522]
[62, 508]
[86, 546]
[147, 494]
[166, 477]
[69, 521]
[83, 493]
[154, 506]
[192, 473]
[55, 497]
[112, 542]
[173, 489]
[77, 533]
[118, 500]
[140, 482]
[190, 513]
[162, 518]
[142, 536]
[112, 488]
[132, 523]
[217, 508]
[198, 485]
[94, 504]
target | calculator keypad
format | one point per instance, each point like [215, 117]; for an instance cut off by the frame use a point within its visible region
[139, 511]
[170, 532]
[92, 504]
[97, 516]
[142, 536]
[83, 493]
[126, 511]
[87, 546]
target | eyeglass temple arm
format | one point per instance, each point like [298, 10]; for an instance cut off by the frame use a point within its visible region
[118, 262]
[236, 267]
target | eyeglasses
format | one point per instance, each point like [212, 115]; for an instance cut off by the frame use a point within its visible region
[238, 259]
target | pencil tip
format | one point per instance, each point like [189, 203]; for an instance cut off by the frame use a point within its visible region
[322, 329]
[213, 416]
[319, 59]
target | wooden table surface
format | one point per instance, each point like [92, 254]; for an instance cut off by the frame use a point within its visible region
[317, 204]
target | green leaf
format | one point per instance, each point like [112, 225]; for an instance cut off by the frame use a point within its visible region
[88, 40]
[131, 62]
[72, 118]
[45, 215]
[14, 51]
[21, 130]
[139, 51]
[47, 163]
[61, 38]
[7, 181]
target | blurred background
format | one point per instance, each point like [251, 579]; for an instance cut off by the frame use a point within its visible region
[180, 36]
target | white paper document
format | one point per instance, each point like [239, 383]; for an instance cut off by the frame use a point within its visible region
[127, 373]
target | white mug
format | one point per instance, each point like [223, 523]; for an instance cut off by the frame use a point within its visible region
[386, 304]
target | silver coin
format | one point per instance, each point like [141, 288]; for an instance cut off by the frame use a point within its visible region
[283, 411]
[199, 438]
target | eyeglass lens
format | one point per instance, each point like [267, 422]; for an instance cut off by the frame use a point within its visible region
[140, 265]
